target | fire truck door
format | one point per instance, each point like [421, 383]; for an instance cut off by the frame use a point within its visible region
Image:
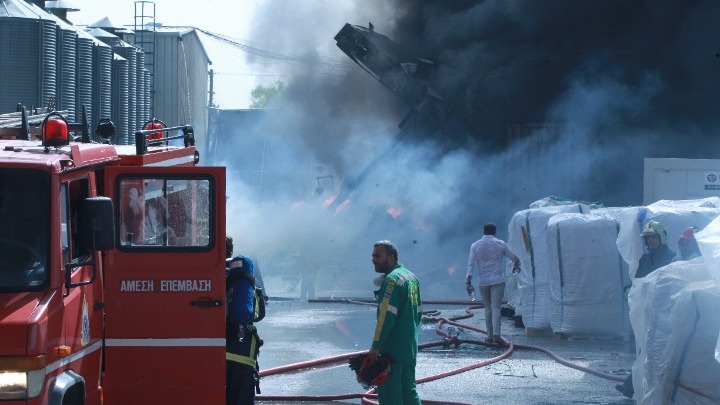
[165, 286]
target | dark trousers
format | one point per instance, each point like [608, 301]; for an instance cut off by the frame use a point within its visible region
[628, 388]
[240, 384]
[241, 371]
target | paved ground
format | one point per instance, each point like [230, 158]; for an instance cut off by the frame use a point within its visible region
[296, 331]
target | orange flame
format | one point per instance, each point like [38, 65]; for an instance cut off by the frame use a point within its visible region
[395, 211]
[342, 328]
[342, 207]
[421, 226]
[329, 201]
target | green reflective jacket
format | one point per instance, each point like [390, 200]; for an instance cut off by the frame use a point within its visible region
[398, 315]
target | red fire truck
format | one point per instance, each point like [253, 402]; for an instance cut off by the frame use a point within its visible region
[112, 266]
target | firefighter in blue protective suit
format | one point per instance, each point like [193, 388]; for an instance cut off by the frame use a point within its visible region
[396, 333]
[245, 305]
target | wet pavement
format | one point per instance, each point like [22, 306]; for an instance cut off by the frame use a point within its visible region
[296, 331]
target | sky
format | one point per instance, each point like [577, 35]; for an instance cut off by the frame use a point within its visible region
[250, 23]
[234, 78]
[201, 14]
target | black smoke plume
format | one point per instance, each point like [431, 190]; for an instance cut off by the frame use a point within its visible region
[544, 98]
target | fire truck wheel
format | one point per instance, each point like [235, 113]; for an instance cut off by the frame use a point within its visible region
[68, 389]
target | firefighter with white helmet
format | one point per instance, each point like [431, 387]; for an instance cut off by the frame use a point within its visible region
[658, 254]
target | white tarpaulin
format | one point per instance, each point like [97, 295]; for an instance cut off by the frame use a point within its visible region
[709, 243]
[529, 290]
[586, 276]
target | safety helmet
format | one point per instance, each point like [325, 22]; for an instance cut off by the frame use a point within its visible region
[655, 228]
[689, 233]
[370, 374]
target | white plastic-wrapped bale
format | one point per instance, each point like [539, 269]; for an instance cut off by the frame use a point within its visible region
[586, 276]
[650, 307]
[529, 291]
[690, 373]
[652, 302]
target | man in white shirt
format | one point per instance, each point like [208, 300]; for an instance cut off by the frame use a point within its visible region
[487, 255]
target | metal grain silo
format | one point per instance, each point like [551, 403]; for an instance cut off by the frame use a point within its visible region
[27, 56]
[84, 78]
[129, 52]
[82, 88]
[102, 76]
[66, 67]
[148, 94]
[120, 98]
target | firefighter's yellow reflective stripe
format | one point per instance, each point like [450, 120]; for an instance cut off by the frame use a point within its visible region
[240, 359]
[256, 303]
[384, 304]
[392, 309]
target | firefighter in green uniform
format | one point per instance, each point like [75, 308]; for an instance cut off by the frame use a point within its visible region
[396, 333]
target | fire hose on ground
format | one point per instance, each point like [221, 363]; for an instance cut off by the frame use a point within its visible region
[370, 397]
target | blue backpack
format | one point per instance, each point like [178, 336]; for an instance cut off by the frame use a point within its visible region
[245, 301]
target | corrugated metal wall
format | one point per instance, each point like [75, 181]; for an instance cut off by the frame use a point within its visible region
[181, 82]
[166, 84]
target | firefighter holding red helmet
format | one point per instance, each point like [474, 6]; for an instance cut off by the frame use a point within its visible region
[396, 333]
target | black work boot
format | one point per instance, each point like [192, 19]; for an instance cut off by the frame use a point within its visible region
[626, 388]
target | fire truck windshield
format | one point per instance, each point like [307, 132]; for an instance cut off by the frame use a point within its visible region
[24, 227]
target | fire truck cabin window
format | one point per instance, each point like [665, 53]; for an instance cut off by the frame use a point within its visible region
[25, 221]
[72, 195]
[164, 212]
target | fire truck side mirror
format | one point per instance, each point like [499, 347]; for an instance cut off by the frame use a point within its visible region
[98, 224]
